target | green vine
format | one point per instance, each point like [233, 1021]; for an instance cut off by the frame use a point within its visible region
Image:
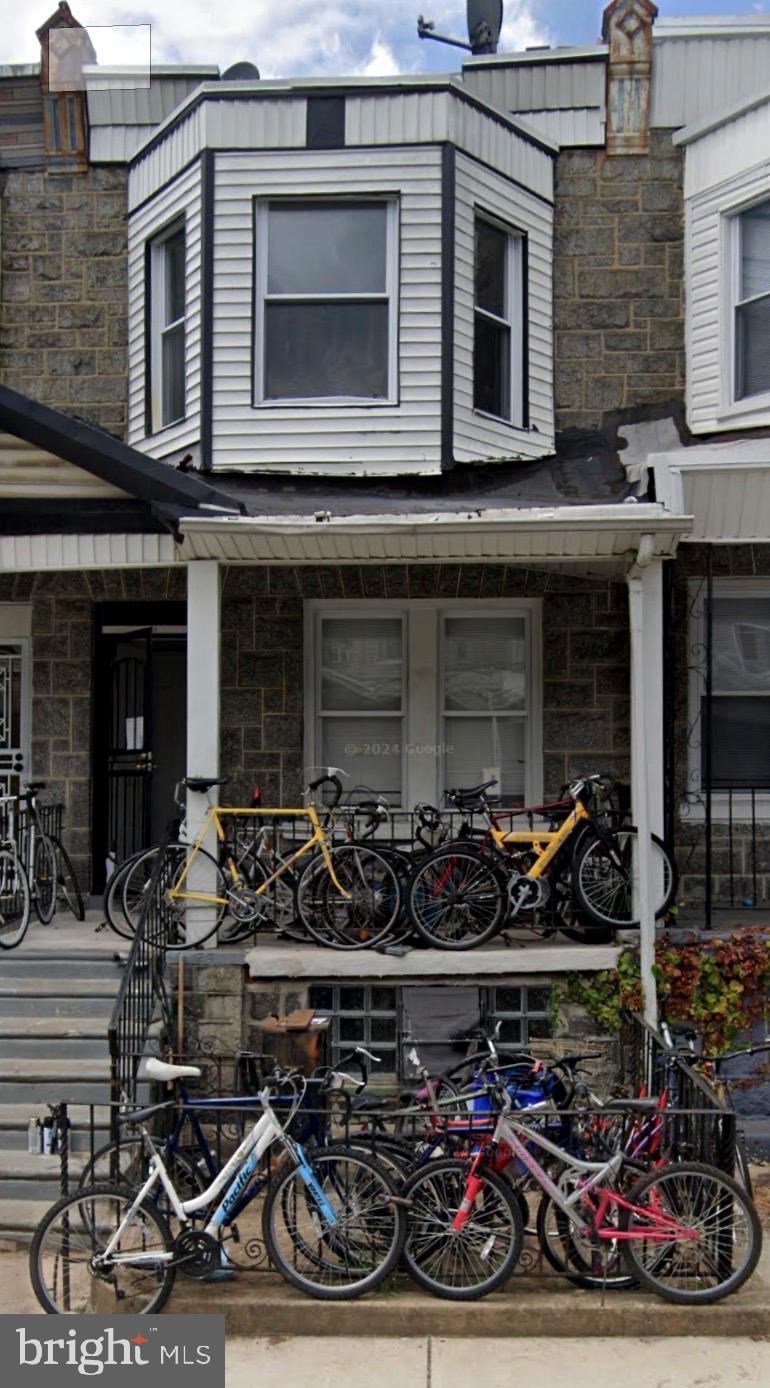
[721, 986]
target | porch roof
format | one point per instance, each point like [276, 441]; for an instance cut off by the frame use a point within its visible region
[549, 533]
[725, 486]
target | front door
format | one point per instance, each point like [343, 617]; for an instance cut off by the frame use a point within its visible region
[140, 730]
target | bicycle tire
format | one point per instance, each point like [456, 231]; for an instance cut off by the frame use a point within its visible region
[67, 882]
[187, 1178]
[433, 880]
[139, 876]
[44, 868]
[15, 900]
[605, 890]
[671, 1191]
[742, 1168]
[354, 1258]
[113, 899]
[434, 1193]
[85, 1228]
[574, 1257]
[364, 917]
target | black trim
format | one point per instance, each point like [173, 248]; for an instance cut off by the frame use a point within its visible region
[325, 125]
[207, 310]
[565, 59]
[448, 215]
[525, 330]
[509, 122]
[149, 614]
[103, 455]
[21, 516]
[253, 393]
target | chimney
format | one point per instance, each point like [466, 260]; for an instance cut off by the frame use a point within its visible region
[627, 28]
[64, 48]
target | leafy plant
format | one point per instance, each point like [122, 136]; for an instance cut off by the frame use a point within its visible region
[721, 986]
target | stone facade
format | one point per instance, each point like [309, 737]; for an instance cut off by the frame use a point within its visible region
[585, 662]
[618, 281]
[62, 680]
[64, 292]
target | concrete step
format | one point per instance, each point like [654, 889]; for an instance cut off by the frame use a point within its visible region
[27, 1176]
[47, 997]
[14, 1125]
[74, 1047]
[76, 1038]
[20, 1218]
[37, 965]
[48, 1080]
[529, 1306]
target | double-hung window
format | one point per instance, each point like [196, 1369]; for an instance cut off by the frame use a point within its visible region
[751, 269]
[411, 698]
[167, 327]
[326, 300]
[733, 732]
[498, 346]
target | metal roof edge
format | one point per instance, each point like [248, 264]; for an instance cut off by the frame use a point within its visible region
[626, 515]
[688, 134]
[595, 52]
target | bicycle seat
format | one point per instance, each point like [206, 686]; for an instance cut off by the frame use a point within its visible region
[631, 1106]
[204, 783]
[472, 793]
[155, 1069]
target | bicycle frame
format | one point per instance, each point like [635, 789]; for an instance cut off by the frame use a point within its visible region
[232, 1179]
[599, 1173]
[214, 820]
[546, 843]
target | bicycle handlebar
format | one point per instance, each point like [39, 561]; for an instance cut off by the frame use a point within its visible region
[331, 776]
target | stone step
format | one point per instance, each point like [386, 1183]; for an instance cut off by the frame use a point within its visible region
[54, 1081]
[18, 966]
[27, 1176]
[20, 1218]
[73, 1047]
[51, 1029]
[47, 997]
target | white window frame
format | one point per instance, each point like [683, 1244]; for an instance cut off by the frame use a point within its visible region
[391, 295]
[514, 322]
[732, 404]
[422, 775]
[15, 629]
[158, 328]
[723, 806]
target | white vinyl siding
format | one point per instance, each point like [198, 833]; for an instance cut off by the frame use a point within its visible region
[480, 192]
[410, 698]
[388, 436]
[183, 197]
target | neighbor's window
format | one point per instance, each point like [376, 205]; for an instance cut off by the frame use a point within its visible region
[167, 327]
[498, 322]
[740, 708]
[752, 302]
[326, 300]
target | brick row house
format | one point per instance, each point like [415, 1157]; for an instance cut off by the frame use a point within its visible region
[413, 425]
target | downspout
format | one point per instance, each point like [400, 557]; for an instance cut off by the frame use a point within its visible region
[645, 909]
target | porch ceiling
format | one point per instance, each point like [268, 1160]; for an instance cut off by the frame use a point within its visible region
[570, 533]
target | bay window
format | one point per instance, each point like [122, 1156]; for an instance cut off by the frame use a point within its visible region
[752, 301]
[326, 300]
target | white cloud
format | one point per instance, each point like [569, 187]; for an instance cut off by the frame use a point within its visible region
[283, 37]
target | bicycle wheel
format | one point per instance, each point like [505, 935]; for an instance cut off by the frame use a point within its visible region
[15, 905]
[466, 1265]
[185, 911]
[603, 877]
[359, 919]
[456, 899]
[67, 1273]
[67, 885]
[113, 899]
[574, 1256]
[727, 1234]
[126, 1163]
[340, 1257]
[742, 1168]
[44, 874]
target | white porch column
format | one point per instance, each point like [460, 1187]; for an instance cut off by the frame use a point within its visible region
[203, 643]
[645, 602]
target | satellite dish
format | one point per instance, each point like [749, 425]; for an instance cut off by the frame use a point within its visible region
[485, 20]
[241, 72]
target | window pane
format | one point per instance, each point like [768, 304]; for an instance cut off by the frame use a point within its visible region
[755, 251]
[538, 1027]
[485, 663]
[752, 333]
[740, 742]
[383, 999]
[313, 351]
[510, 1032]
[369, 749]
[383, 1029]
[480, 748]
[361, 663]
[327, 248]
[538, 999]
[352, 1029]
[741, 644]
[507, 1000]
[491, 255]
[172, 357]
[492, 368]
[173, 250]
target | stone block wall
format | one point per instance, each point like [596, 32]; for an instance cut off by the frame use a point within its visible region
[740, 862]
[63, 292]
[585, 662]
[618, 281]
[62, 680]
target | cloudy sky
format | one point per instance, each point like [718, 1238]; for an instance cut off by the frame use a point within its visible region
[319, 37]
